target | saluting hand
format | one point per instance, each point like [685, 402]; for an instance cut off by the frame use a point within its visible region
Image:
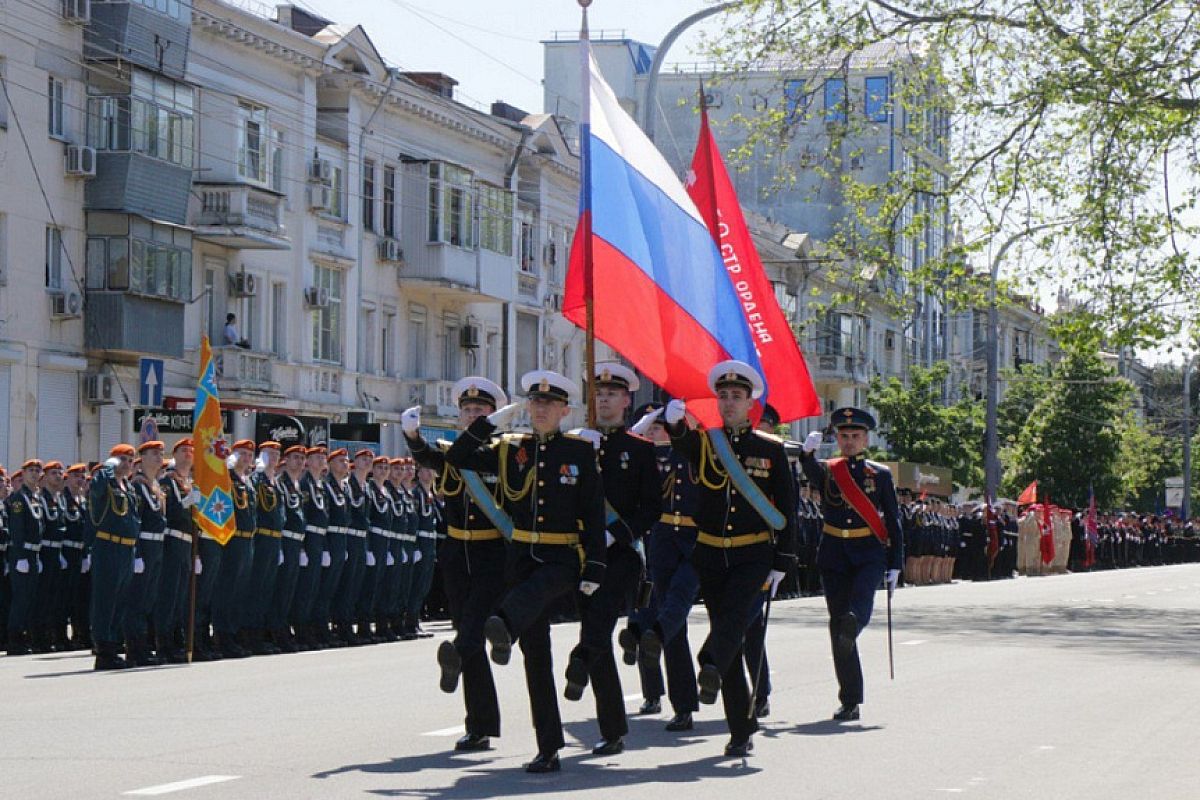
[674, 411]
[410, 420]
[813, 441]
[503, 417]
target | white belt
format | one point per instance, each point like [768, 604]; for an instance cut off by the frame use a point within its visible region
[72, 545]
[406, 537]
[356, 533]
[33, 548]
[151, 536]
[52, 545]
[384, 532]
[319, 531]
[427, 534]
[178, 534]
[298, 537]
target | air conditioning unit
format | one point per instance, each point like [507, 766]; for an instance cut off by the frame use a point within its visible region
[66, 305]
[321, 170]
[320, 197]
[316, 297]
[243, 284]
[390, 250]
[97, 389]
[468, 337]
[77, 11]
[81, 161]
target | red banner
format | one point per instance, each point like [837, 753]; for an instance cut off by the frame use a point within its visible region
[1029, 495]
[789, 387]
[1047, 540]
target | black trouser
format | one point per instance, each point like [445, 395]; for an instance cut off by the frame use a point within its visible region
[50, 589]
[174, 584]
[597, 619]
[227, 613]
[851, 573]
[535, 587]
[730, 595]
[755, 651]
[345, 600]
[291, 544]
[473, 577]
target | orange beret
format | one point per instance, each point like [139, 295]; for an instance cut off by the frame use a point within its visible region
[3, 474]
[341, 451]
[184, 442]
[122, 450]
[319, 450]
[396, 462]
[269, 445]
[153, 444]
[33, 462]
[96, 467]
[79, 468]
[379, 460]
[296, 448]
[244, 444]
[365, 452]
[53, 465]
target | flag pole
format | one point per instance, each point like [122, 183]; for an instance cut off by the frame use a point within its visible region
[589, 294]
[191, 620]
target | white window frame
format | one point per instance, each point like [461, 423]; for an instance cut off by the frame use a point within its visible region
[252, 125]
[56, 100]
[54, 259]
[328, 322]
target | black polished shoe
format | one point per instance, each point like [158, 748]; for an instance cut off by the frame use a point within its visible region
[762, 708]
[709, 681]
[629, 645]
[473, 743]
[496, 632]
[651, 705]
[651, 649]
[543, 763]
[577, 678]
[450, 661]
[610, 747]
[847, 713]
[739, 748]
[680, 722]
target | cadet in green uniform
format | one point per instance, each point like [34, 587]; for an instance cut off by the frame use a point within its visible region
[147, 565]
[259, 590]
[737, 552]
[333, 561]
[316, 522]
[5, 583]
[49, 623]
[291, 547]
[238, 555]
[549, 484]
[345, 605]
[76, 549]
[26, 522]
[113, 507]
[174, 585]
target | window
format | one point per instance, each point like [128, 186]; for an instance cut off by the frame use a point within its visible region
[366, 356]
[389, 201]
[835, 100]
[796, 101]
[337, 183]
[250, 321]
[450, 205]
[878, 99]
[212, 322]
[496, 219]
[152, 115]
[175, 9]
[368, 195]
[54, 250]
[528, 244]
[327, 321]
[253, 142]
[417, 339]
[386, 331]
[279, 319]
[56, 97]
[277, 155]
[451, 352]
[130, 254]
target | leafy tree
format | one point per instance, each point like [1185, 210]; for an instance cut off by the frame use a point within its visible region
[1146, 459]
[1022, 390]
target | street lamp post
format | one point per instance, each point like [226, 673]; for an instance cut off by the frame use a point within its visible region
[1185, 511]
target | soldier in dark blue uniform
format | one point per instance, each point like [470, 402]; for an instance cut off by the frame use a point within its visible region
[259, 591]
[291, 493]
[853, 556]
[239, 553]
[5, 583]
[379, 521]
[26, 524]
[404, 479]
[333, 561]
[737, 552]
[348, 594]
[50, 619]
[472, 561]
[76, 549]
[113, 506]
[549, 484]
[392, 592]
[424, 554]
[142, 594]
[174, 584]
[316, 522]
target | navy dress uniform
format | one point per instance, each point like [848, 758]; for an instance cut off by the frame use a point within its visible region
[49, 624]
[291, 545]
[858, 503]
[174, 583]
[26, 524]
[472, 560]
[316, 523]
[229, 589]
[736, 551]
[5, 585]
[422, 558]
[147, 565]
[113, 506]
[404, 520]
[259, 591]
[549, 484]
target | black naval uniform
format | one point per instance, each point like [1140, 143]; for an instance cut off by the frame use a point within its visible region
[472, 560]
[736, 552]
[142, 594]
[853, 560]
[550, 486]
[26, 521]
[629, 475]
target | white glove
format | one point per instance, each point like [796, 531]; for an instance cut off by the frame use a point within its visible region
[646, 422]
[280, 562]
[231, 461]
[609, 540]
[326, 559]
[773, 580]
[23, 566]
[674, 411]
[39, 566]
[502, 417]
[403, 556]
[85, 566]
[391, 560]
[370, 559]
[303, 559]
[410, 420]
[813, 441]
[260, 465]
[62, 561]
[590, 434]
[892, 578]
[416, 556]
[192, 498]
[139, 566]
[588, 587]
[199, 566]
[112, 462]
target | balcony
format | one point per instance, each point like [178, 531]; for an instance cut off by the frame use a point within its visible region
[130, 324]
[434, 396]
[451, 273]
[836, 368]
[136, 33]
[239, 216]
[242, 370]
[134, 183]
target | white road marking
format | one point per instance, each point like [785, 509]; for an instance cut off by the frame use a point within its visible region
[915, 641]
[179, 786]
[457, 730]
[1046, 747]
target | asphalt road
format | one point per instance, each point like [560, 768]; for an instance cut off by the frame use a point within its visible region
[1079, 686]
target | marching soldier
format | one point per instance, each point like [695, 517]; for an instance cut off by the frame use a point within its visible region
[550, 487]
[472, 562]
[239, 553]
[862, 541]
[316, 521]
[147, 565]
[26, 524]
[174, 584]
[629, 476]
[269, 514]
[291, 491]
[113, 507]
[346, 605]
[333, 561]
[746, 537]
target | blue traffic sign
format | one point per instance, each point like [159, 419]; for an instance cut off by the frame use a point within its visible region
[150, 382]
